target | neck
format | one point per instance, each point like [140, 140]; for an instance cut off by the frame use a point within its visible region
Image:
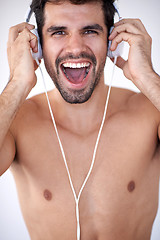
[81, 118]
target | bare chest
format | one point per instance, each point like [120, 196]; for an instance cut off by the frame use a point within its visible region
[121, 190]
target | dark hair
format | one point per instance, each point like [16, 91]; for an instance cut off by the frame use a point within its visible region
[37, 7]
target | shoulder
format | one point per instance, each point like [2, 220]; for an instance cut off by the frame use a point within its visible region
[29, 114]
[143, 105]
[147, 110]
[31, 107]
[137, 104]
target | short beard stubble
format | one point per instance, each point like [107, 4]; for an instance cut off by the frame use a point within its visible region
[75, 96]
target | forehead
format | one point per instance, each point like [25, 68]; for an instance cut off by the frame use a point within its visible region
[67, 13]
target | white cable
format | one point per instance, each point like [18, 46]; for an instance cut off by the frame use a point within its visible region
[95, 149]
[56, 130]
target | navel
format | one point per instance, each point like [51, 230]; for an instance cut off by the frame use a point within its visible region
[131, 186]
[47, 195]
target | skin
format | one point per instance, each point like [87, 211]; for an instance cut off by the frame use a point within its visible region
[120, 198]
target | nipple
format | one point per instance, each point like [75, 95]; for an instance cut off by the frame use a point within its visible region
[47, 195]
[131, 186]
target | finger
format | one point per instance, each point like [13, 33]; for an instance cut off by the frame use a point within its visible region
[27, 37]
[136, 22]
[16, 30]
[34, 44]
[129, 28]
[123, 65]
[127, 37]
[35, 65]
[25, 42]
[120, 62]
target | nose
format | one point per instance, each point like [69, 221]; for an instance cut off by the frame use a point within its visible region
[75, 44]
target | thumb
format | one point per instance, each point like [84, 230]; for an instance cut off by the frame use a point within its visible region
[120, 62]
[123, 65]
[35, 64]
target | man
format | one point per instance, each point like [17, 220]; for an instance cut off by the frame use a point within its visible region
[120, 198]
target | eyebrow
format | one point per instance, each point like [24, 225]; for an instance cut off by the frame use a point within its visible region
[62, 28]
[56, 28]
[93, 27]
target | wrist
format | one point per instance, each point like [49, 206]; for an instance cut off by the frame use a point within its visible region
[150, 87]
[145, 80]
[21, 88]
[150, 80]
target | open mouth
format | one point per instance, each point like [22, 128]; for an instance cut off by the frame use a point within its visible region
[76, 73]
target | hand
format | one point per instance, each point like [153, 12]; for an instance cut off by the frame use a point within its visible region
[139, 58]
[22, 66]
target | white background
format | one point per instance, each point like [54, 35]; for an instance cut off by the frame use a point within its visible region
[12, 12]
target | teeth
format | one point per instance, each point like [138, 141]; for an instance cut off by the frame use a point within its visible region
[75, 65]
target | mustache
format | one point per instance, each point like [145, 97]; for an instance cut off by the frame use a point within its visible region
[82, 55]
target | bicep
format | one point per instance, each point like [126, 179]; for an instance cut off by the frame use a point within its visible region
[7, 153]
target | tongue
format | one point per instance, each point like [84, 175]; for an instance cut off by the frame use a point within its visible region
[75, 75]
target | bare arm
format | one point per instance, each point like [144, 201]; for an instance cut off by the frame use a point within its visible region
[151, 88]
[10, 101]
[23, 78]
[138, 68]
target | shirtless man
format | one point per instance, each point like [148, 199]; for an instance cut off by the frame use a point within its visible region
[119, 201]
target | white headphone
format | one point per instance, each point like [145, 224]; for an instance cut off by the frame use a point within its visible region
[38, 55]
[119, 49]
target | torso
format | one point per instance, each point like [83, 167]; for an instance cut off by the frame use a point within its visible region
[120, 198]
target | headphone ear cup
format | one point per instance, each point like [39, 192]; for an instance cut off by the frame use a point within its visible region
[109, 52]
[118, 52]
[37, 55]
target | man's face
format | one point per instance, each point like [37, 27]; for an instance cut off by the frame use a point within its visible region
[75, 48]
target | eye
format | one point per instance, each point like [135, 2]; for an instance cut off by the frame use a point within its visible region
[91, 32]
[58, 33]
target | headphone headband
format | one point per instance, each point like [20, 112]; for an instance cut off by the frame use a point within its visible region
[117, 11]
[28, 15]
[30, 12]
